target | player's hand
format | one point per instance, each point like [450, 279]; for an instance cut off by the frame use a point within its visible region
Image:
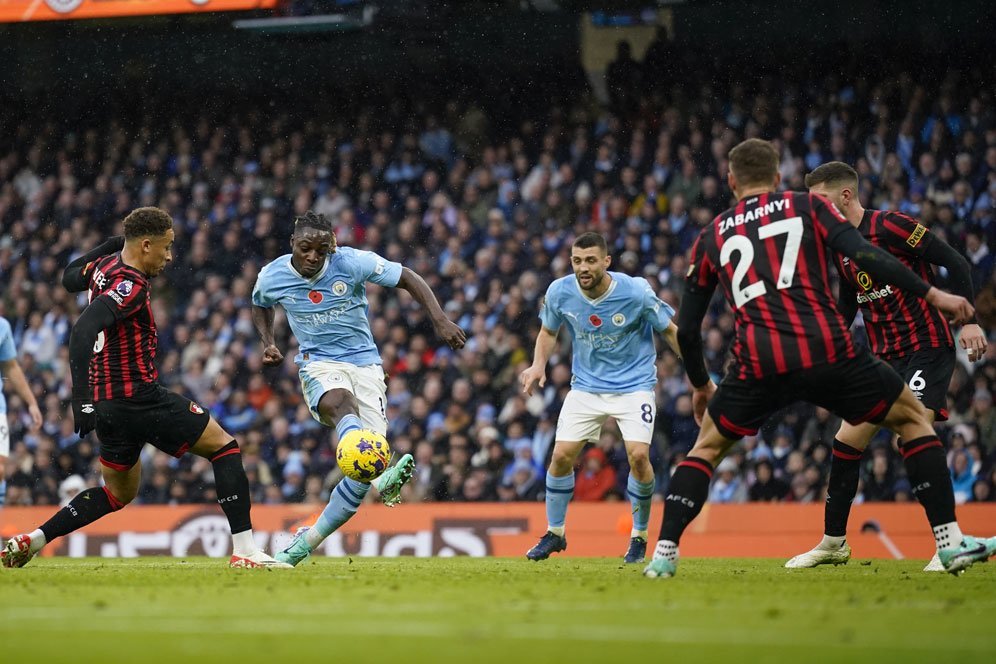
[532, 375]
[272, 356]
[973, 339]
[700, 399]
[84, 416]
[958, 309]
[451, 334]
[36, 417]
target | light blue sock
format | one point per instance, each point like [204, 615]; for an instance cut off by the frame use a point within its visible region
[346, 424]
[559, 491]
[343, 503]
[640, 494]
[3, 492]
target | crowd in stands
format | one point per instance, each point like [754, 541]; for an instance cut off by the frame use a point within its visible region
[486, 213]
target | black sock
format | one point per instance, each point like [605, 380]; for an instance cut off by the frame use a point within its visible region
[686, 495]
[842, 485]
[84, 509]
[232, 486]
[927, 468]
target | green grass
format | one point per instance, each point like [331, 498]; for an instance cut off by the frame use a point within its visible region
[492, 610]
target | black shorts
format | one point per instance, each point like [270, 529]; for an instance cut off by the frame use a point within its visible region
[928, 373]
[862, 389]
[168, 421]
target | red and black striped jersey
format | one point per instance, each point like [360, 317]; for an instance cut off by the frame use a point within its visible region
[770, 253]
[123, 363]
[897, 322]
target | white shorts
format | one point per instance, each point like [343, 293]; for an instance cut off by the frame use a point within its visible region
[4, 436]
[365, 383]
[583, 414]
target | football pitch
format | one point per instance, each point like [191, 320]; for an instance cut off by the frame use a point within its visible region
[492, 610]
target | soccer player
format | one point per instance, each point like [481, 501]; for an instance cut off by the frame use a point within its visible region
[11, 370]
[611, 318]
[903, 330]
[115, 391]
[791, 343]
[322, 288]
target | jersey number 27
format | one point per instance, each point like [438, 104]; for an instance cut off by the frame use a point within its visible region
[792, 228]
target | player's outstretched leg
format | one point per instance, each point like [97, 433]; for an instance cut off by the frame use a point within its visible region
[685, 497]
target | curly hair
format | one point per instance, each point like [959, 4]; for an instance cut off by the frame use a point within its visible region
[147, 222]
[312, 220]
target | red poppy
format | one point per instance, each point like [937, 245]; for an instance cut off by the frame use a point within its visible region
[315, 297]
[595, 320]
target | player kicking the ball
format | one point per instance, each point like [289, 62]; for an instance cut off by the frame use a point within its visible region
[791, 343]
[611, 318]
[904, 330]
[322, 288]
[116, 391]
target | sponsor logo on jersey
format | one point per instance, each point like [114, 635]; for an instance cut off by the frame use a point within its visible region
[864, 280]
[916, 235]
[339, 288]
[618, 320]
[595, 320]
[124, 288]
[865, 298]
[316, 297]
[194, 408]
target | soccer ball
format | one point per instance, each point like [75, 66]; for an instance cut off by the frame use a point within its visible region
[363, 455]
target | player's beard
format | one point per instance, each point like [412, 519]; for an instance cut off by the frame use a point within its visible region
[596, 280]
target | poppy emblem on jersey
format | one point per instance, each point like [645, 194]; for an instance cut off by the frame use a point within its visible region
[864, 280]
[194, 408]
[315, 297]
[595, 320]
[124, 288]
[339, 288]
[618, 320]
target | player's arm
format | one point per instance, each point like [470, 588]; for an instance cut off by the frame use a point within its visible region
[700, 284]
[446, 329]
[939, 252]
[74, 278]
[98, 316]
[671, 338]
[12, 372]
[546, 341]
[847, 302]
[262, 319]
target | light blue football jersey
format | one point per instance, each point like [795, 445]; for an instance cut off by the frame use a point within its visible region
[612, 336]
[7, 352]
[328, 313]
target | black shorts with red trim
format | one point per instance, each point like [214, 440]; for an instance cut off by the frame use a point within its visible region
[860, 389]
[168, 421]
[928, 373]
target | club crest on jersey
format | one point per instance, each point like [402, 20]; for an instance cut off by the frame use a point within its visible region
[316, 297]
[124, 288]
[194, 408]
[339, 288]
[618, 320]
[595, 320]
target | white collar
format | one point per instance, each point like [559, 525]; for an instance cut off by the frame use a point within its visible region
[600, 298]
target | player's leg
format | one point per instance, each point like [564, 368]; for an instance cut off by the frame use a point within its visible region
[121, 471]
[635, 416]
[581, 419]
[845, 465]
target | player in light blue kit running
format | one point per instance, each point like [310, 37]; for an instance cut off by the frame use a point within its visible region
[612, 318]
[11, 370]
[322, 288]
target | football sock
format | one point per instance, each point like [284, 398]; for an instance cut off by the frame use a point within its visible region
[947, 535]
[685, 496]
[930, 478]
[666, 549]
[38, 540]
[845, 466]
[232, 487]
[84, 509]
[831, 542]
[243, 544]
[3, 492]
[640, 494]
[346, 424]
[559, 491]
[345, 500]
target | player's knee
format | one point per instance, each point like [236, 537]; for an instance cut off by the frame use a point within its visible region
[121, 495]
[639, 459]
[336, 404]
[561, 461]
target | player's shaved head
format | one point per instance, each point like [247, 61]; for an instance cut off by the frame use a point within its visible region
[589, 240]
[754, 162]
[833, 175]
[146, 222]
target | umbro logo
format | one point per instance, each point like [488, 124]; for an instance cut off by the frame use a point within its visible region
[87, 408]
